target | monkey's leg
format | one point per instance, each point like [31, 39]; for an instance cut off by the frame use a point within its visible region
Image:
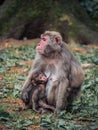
[61, 101]
[35, 98]
[43, 104]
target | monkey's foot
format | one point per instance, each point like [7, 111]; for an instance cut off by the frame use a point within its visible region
[43, 111]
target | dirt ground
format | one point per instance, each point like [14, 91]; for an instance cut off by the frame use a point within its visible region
[4, 43]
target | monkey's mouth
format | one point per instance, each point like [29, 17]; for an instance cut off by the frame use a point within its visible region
[38, 48]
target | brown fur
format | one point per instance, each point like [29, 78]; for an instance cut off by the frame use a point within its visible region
[64, 72]
[37, 99]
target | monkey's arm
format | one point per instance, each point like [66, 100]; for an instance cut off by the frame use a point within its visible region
[34, 69]
[26, 94]
[25, 91]
[61, 101]
[27, 87]
[28, 79]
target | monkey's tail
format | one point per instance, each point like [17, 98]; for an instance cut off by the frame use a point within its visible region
[44, 105]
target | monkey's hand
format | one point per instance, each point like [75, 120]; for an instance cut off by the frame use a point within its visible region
[25, 97]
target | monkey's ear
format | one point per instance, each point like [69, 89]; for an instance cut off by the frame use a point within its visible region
[58, 39]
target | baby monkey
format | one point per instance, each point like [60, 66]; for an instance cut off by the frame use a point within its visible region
[37, 99]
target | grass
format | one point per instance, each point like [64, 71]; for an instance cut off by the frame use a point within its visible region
[15, 63]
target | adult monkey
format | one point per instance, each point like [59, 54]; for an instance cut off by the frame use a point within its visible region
[64, 72]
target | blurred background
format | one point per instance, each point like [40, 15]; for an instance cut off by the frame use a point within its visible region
[76, 20]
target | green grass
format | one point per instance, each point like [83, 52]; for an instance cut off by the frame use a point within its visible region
[84, 115]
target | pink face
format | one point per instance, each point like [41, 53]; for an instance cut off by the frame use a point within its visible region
[42, 43]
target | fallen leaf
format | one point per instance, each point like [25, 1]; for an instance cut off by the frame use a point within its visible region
[1, 77]
[3, 127]
[81, 50]
[86, 66]
[93, 46]
[34, 127]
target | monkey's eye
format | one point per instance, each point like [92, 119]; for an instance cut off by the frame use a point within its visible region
[44, 39]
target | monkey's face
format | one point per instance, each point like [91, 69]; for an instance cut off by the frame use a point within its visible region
[41, 78]
[49, 43]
